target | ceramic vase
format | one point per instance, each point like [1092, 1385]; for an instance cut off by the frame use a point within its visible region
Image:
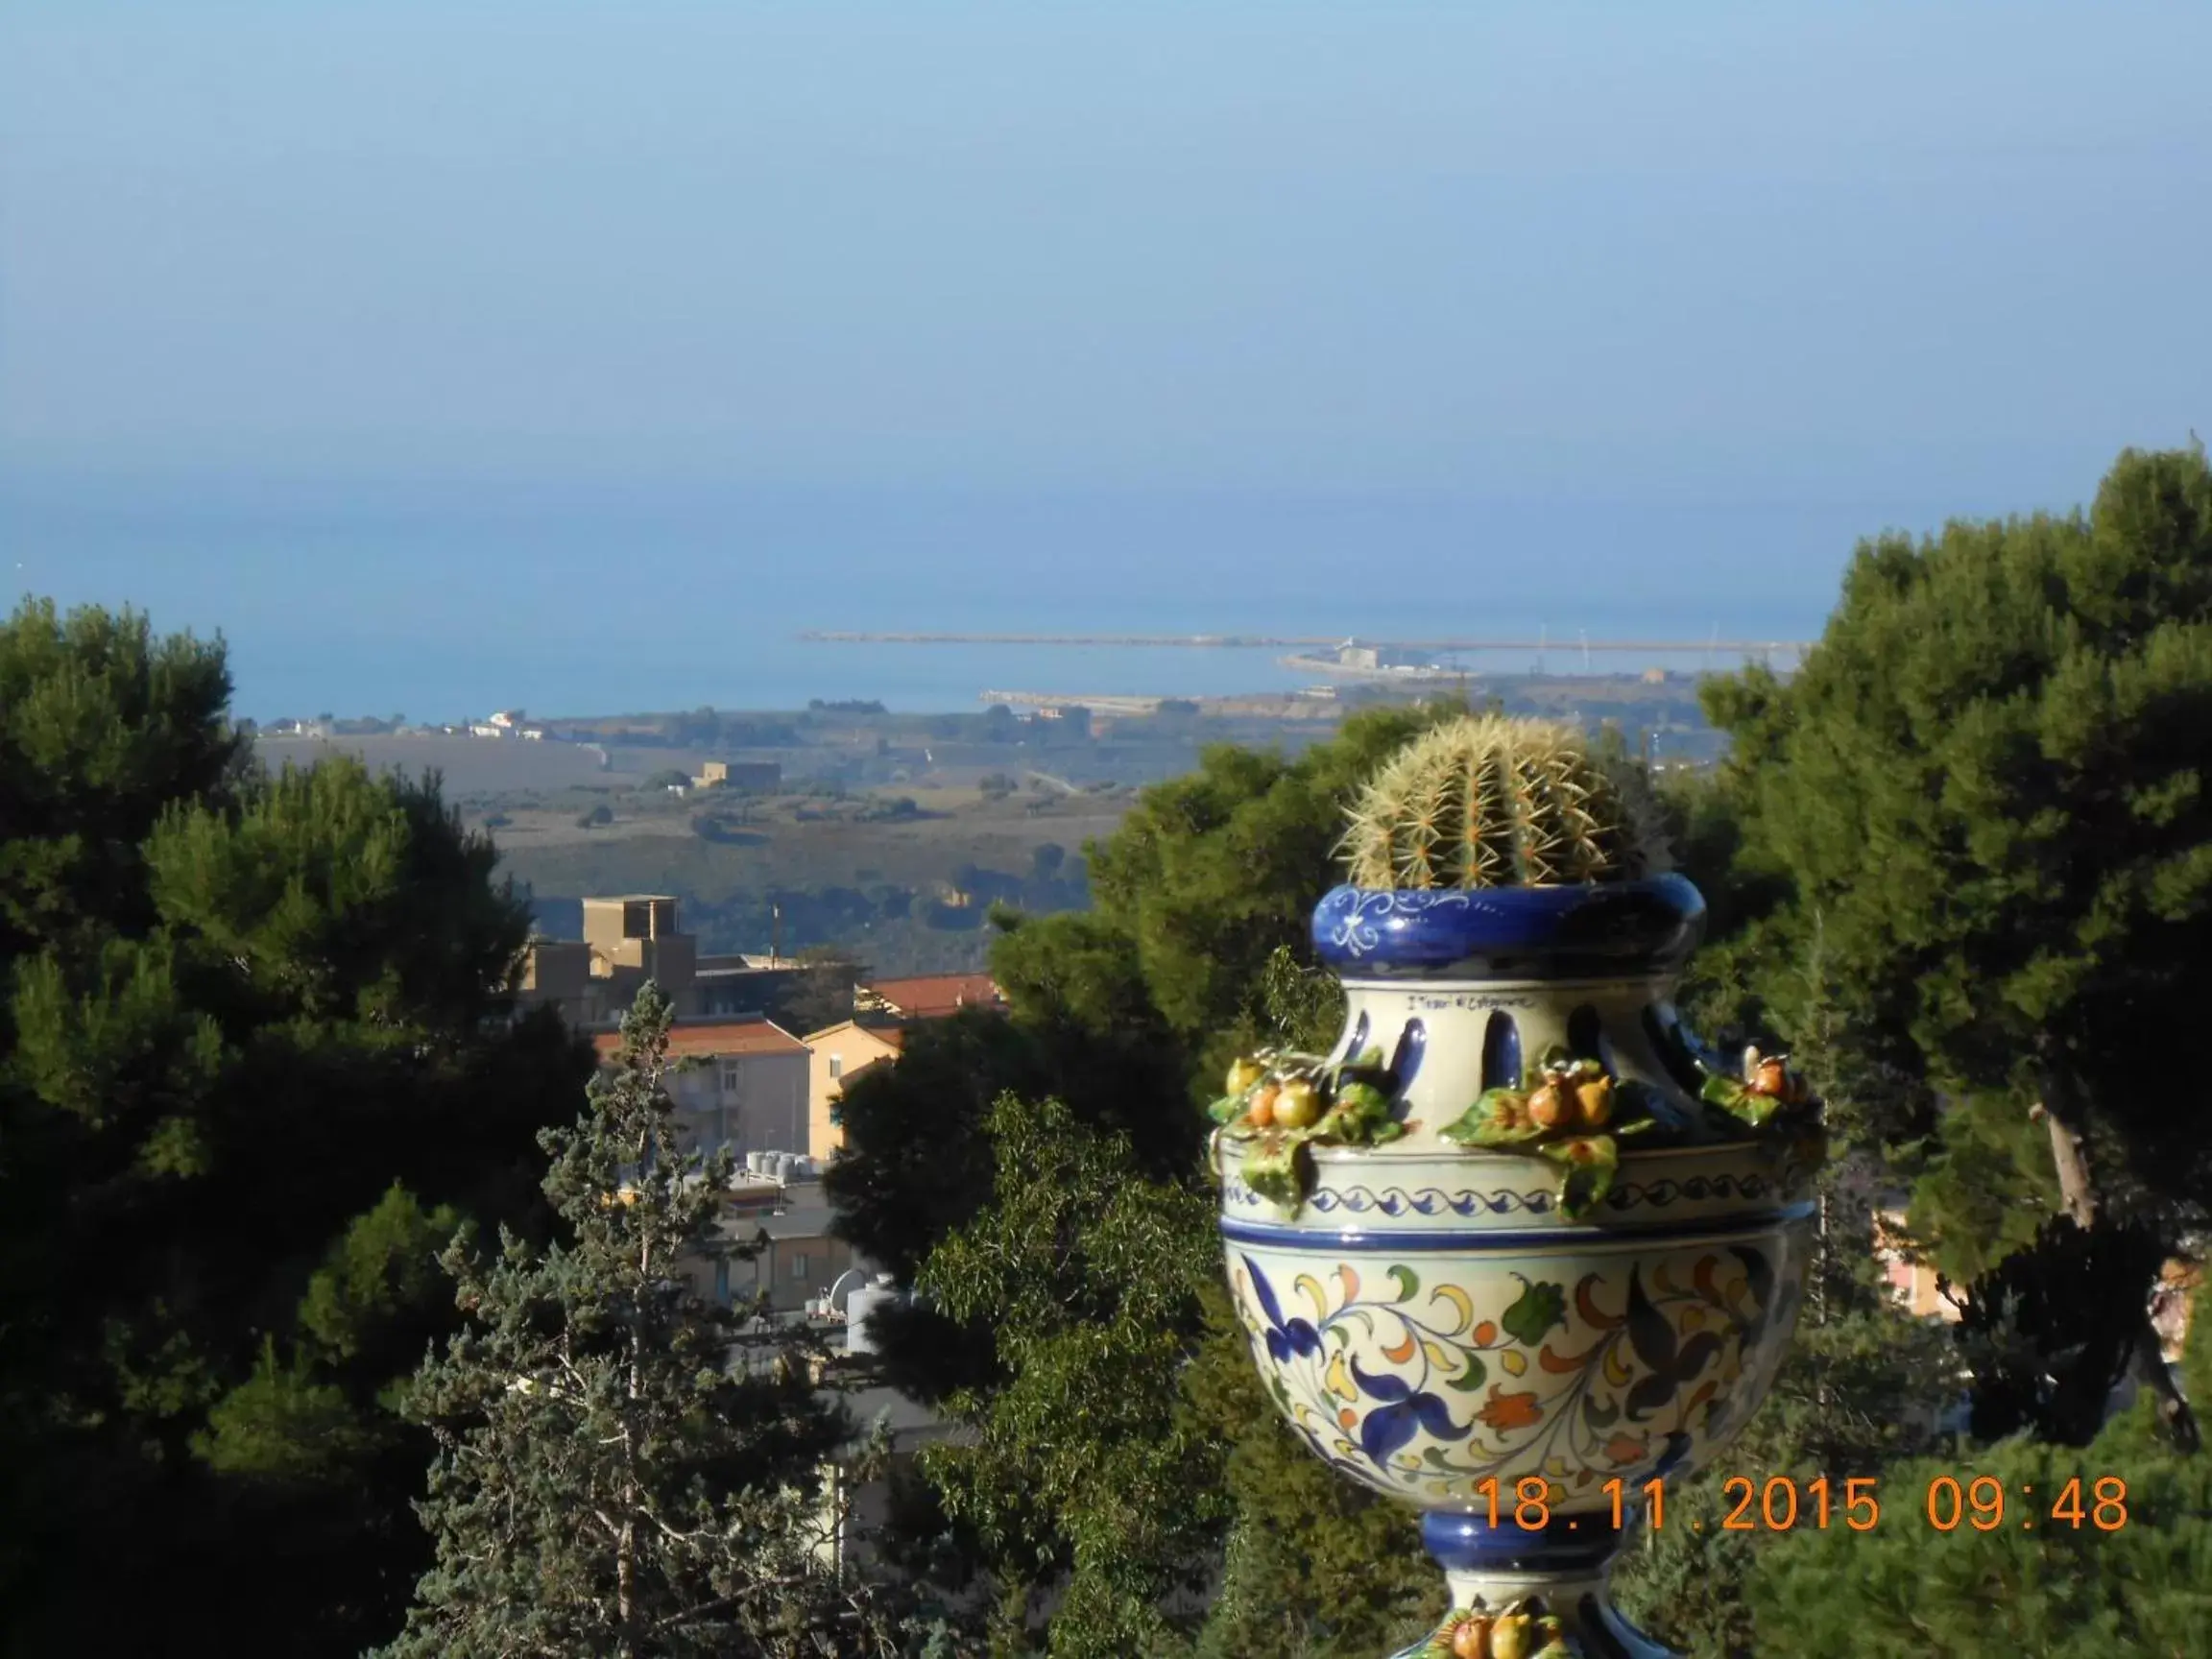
[1434, 1326]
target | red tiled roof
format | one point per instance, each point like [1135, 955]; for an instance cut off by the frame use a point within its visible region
[934, 996]
[716, 1037]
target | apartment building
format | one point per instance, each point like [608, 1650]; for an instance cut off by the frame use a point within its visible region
[836, 1055]
[735, 1083]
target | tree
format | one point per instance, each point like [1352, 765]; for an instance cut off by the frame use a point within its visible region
[824, 995]
[1088, 1273]
[2047, 1579]
[257, 1052]
[1866, 1383]
[1987, 790]
[605, 1483]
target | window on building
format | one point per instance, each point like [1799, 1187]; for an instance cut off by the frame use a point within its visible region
[799, 1265]
[733, 1075]
[837, 1066]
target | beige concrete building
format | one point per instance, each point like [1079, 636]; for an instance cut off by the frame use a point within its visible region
[632, 938]
[794, 1260]
[834, 1056]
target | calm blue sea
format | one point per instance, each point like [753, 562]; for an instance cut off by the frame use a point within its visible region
[436, 603]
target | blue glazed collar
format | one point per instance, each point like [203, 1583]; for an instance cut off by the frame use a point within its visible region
[1599, 930]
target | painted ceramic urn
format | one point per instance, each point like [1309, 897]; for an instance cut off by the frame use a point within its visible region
[1518, 1251]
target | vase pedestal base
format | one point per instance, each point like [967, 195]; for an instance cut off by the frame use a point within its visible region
[1559, 1572]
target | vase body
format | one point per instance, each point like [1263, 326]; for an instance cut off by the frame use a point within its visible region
[1429, 1320]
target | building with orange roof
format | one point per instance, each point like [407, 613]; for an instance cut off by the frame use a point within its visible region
[927, 996]
[737, 1083]
[1913, 1280]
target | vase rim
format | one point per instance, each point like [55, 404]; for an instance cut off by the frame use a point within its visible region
[1562, 1239]
[1588, 930]
[1361, 1156]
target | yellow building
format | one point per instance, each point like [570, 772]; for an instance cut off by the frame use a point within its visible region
[836, 1055]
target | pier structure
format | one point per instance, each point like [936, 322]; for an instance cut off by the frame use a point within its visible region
[1710, 647]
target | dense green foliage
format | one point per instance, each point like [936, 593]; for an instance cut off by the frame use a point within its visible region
[1985, 798]
[252, 1067]
[2056, 1589]
[607, 1481]
[1084, 1469]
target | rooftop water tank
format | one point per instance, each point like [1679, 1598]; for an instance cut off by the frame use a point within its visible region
[862, 1303]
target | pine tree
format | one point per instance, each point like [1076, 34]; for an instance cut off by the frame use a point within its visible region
[607, 1482]
[256, 1056]
[1987, 790]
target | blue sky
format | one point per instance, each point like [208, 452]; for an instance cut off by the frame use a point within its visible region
[1689, 294]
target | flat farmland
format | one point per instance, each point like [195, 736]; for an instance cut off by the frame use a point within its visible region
[469, 765]
[651, 846]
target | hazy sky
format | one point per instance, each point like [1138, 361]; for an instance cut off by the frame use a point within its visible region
[1793, 264]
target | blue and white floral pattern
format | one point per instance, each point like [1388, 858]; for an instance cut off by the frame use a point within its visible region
[1354, 917]
[1617, 927]
[1353, 1200]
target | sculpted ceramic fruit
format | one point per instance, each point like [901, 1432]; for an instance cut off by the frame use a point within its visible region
[1261, 1112]
[1548, 1106]
[1595, 1100]
[1297, 1105]
[1472, 1640]
[1551, 1631]
[1771, 1077]
[1243, 1075]
[1509, 1636]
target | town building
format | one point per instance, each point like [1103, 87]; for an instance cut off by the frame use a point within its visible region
[764, 776]
[743, 1081]
[1915, 1284]
[798, 1261]
[635, 937]
[736, 1083]
[927, 996]
[836, 1055]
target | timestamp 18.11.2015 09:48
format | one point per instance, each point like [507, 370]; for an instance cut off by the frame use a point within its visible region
[1780, 1503]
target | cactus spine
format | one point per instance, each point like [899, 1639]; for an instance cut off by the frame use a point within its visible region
[1487, 801]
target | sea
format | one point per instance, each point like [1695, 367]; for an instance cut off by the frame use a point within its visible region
[445, 602]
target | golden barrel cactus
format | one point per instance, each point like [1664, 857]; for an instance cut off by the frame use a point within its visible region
[1491, 800]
